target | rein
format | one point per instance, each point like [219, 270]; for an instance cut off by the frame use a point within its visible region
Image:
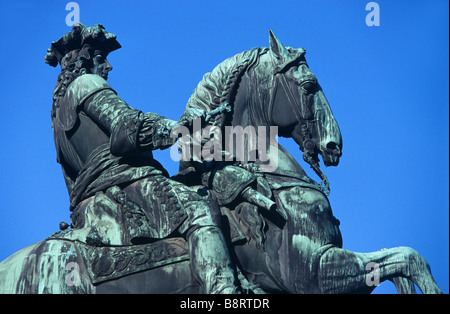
[308, 144]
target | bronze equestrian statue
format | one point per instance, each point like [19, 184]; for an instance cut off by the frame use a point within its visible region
[104, 147]
[226, 224]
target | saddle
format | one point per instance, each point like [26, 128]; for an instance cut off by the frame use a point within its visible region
[105, 261]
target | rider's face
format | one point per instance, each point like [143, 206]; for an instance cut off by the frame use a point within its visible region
[100, 65]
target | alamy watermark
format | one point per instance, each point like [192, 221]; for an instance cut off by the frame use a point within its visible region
[373, 17]
[73, 277]
[242, 144]
[73, 17]
[373, 277]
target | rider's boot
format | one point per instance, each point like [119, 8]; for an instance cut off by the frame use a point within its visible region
[210, 259]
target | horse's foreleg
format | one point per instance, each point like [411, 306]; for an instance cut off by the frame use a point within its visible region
[404, 285]
[343, 271]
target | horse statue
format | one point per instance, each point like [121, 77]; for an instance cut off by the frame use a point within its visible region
[287, 242]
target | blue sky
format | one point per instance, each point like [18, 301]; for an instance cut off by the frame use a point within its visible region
[387, 87]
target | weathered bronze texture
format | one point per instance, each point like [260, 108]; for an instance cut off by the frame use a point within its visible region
[242, 220]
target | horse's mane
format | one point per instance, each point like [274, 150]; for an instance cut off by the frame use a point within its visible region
[219, 86]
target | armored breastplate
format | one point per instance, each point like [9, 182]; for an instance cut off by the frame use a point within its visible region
[76, 135]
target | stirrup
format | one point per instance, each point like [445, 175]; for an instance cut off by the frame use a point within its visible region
[247, 287]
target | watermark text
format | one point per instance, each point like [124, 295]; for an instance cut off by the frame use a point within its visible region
[373, 17]
[73, 17]
[73, 277]
[234, 143]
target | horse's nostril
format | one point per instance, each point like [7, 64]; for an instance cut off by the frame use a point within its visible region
[332, 146]
[334, 149]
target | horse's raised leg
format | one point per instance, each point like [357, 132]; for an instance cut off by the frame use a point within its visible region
[343, 271]
[404, 285]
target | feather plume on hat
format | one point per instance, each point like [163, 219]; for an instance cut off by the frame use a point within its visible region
[81, 35]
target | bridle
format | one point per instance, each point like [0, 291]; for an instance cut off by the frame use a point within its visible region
[308, 145]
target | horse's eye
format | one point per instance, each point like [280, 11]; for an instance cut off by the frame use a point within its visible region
[309, 87]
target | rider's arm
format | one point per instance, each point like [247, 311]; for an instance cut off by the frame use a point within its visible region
[129, 128]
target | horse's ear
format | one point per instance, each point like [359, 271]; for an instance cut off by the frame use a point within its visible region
[277, 48]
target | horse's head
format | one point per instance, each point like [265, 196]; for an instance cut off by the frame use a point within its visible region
[299, 107]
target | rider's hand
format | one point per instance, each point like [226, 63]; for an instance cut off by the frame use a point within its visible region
[254, 197]
[192, 114]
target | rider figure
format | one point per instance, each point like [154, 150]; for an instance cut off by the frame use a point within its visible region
[104, 147]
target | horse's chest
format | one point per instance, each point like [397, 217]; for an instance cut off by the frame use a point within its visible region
[310, 214]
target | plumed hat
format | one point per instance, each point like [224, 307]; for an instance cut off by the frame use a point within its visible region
[80, 35]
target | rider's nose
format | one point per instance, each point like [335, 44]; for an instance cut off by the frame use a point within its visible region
[108, 66]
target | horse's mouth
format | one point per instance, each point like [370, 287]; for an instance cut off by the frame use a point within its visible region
[331, 154]
[330, 160]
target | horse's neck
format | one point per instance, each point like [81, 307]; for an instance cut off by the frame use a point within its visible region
[279, 162]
